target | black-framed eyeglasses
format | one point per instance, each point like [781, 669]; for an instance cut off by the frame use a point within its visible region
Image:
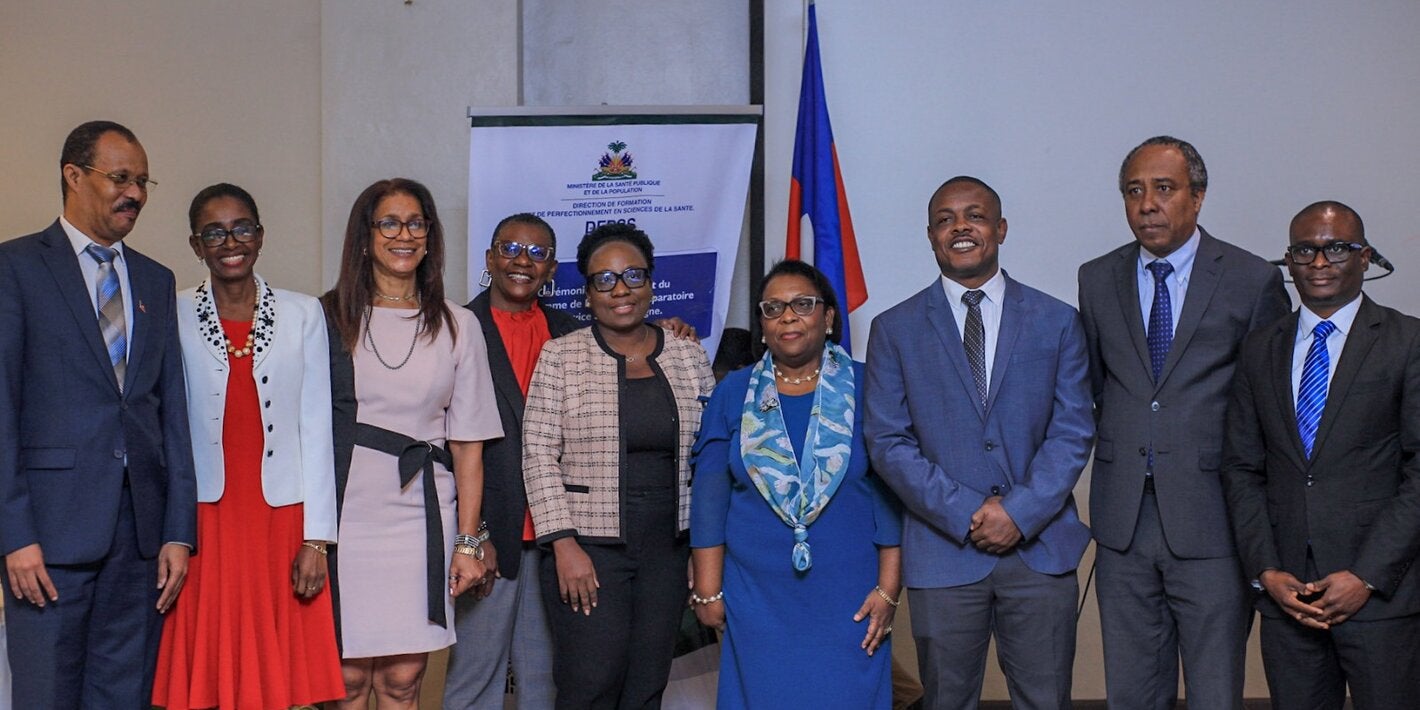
[634, 277]
[123, 180]
[802, 306]
[511, 250]
[217, 236]
[390, 227]
[1335, 252]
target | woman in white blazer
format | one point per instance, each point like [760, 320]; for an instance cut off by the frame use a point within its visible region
[254, 625]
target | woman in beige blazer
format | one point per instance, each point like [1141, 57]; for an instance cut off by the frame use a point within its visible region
[611, 414]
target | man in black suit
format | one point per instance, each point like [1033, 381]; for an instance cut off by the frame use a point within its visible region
[98, 501]
[1164, 315]
[1323, 480]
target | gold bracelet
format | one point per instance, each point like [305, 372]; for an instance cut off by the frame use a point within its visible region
[314, 546]
[885, 596]
[473, 551]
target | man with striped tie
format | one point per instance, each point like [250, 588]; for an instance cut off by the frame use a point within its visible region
[97, 495]
[1323, 479]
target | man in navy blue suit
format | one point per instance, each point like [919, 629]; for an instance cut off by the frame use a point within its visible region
[977, 413]
[97, 495]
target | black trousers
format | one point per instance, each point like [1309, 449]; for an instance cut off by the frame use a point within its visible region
[619, 657]
[1310, 669]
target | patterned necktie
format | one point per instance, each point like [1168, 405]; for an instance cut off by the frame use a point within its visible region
[1160, 317]
[110, 304]
[1311, 392]
[974, 338]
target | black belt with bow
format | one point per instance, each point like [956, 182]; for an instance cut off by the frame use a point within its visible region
[416, 456]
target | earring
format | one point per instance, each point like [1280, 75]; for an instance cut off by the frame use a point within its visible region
[761, 340]
[486, 279]
[364, 251]
[830, 330]
[548, 289]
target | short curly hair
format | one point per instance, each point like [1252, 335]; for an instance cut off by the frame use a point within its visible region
[614, 232]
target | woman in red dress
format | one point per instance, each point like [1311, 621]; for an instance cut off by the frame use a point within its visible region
[254, 627]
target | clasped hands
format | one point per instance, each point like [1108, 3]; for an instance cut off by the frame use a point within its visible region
[1342, 594]
[992, 529]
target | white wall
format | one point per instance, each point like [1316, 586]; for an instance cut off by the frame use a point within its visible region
[635, 52]
[1288, 102]
[396, 83]
[216, 91]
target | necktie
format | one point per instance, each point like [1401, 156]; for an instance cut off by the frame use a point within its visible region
[974, 339]
[1311, 392]
[110, 305]
[1160, 317]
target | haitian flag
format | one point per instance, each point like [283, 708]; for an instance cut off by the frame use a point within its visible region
[816, 189]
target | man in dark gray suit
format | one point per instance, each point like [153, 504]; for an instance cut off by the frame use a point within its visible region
[1164, 316]
[1323, 479]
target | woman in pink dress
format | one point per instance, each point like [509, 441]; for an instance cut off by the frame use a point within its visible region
[413, 403]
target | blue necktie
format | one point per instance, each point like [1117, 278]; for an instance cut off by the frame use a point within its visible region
[1311, 392]
[110, 309]
[1160, 317]
[974, 338]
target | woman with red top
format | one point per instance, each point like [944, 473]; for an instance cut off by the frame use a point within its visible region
[506, 619]
[253, 627]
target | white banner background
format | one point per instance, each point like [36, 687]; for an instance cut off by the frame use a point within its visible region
[689, 195]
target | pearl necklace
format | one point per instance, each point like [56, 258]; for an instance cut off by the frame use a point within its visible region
[795, 380]
[243, 351]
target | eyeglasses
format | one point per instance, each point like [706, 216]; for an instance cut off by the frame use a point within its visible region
[123, 180]
[802, 306]
[217, 236]
[603, 281]
[1335, 252]
[390, 227]
[511, 250]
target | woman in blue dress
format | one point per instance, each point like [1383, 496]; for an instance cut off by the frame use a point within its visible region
[795, 541]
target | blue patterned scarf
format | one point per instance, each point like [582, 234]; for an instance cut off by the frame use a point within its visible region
[798, 491]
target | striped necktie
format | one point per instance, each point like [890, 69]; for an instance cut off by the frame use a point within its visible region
[110, 307]
[1311, 392]
[974, 340]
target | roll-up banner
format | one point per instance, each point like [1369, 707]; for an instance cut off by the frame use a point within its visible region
[680, 174]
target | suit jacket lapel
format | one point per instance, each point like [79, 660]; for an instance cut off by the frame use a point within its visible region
[1126, 281]
[1364, 333]
[1006, 335]
[144, 298]
[505, 382]
[1284, 342]
[939, 314]
[64, 267]
[1202, 283]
